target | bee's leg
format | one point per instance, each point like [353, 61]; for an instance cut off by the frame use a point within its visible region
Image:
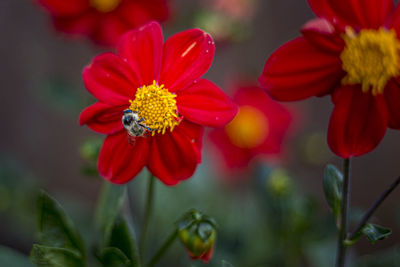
[141, 119]
[147, 128]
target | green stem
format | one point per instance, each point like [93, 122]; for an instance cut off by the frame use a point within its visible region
[341, 250]
[147, 214]
[135, 251]
[163, 249]
[374, 207]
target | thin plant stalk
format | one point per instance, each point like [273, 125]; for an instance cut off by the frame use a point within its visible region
[147, 215]
[341, 248]
[163, 249]
[374, 207]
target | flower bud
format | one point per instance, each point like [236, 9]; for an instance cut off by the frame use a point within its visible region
[197, 233]
[279, 183]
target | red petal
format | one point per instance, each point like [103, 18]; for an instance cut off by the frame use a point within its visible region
[110, 80]
[231, 156]
[356, 13]
[109, 28]
[83, 24]
[186, 57]
[195, 133]
[358, 122]
[119, 161]
[142, 50]
[394, 20]
[297, 70]
[392, 96]
[174, 156]
[103, 118]
[206, 104]
[137, 13]
[65, 8]
[321, 33]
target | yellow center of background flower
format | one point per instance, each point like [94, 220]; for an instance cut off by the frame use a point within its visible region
[370, 58]
[104, 5]
[248, 129]
[157, 106]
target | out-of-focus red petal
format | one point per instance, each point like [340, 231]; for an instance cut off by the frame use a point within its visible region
[110, 80]
[174, 156]
[206, 104]
[186, 57]
[298, 70]
[108, 29]
[392, 96]
[355, 13]
[65, 8]
[136, 13]
[232, 156]
[103, 118]
[119, 161]
[142, 50]
[358, 121]
[322, 34]
[82, 24]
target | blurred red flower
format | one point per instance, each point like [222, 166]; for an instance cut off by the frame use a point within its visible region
[104, 21]
[162, 84]
[259, 128]
[351, 51]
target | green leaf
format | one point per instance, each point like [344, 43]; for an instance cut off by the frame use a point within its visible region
[123, 239]
[375, 232]
[55, 257]
[55, 228]
[109, 205]
[332, 183]
[10, 257]
[113, 257]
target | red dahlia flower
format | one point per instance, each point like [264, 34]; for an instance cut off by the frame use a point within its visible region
[162, 85]
[104, 21]
[258, 129]
[351, 51]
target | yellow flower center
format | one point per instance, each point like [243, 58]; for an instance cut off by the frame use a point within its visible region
[370, 58]
[157, 106]
[105, 5]
[248, 129]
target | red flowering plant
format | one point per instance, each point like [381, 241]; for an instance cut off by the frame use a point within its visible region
[351, 52]
[259, 128]
[104, 21]
[158, 89]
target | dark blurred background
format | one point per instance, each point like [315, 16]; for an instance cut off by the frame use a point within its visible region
[42, 95]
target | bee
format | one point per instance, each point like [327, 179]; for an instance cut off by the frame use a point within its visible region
[133, 125]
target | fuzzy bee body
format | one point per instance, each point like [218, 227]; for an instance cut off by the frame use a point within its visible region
[133, 125]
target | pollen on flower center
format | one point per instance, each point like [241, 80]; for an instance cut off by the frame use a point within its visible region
[105, 5]
[370, 58]
[248, 129]
[157, 106]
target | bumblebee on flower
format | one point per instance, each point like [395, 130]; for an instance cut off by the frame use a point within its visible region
[153, 104]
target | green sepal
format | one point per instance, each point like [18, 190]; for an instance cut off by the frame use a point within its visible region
[332, 183]
[55, 257]
[123, 239]
[375, 232]
[113, 257]
[56, 230]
